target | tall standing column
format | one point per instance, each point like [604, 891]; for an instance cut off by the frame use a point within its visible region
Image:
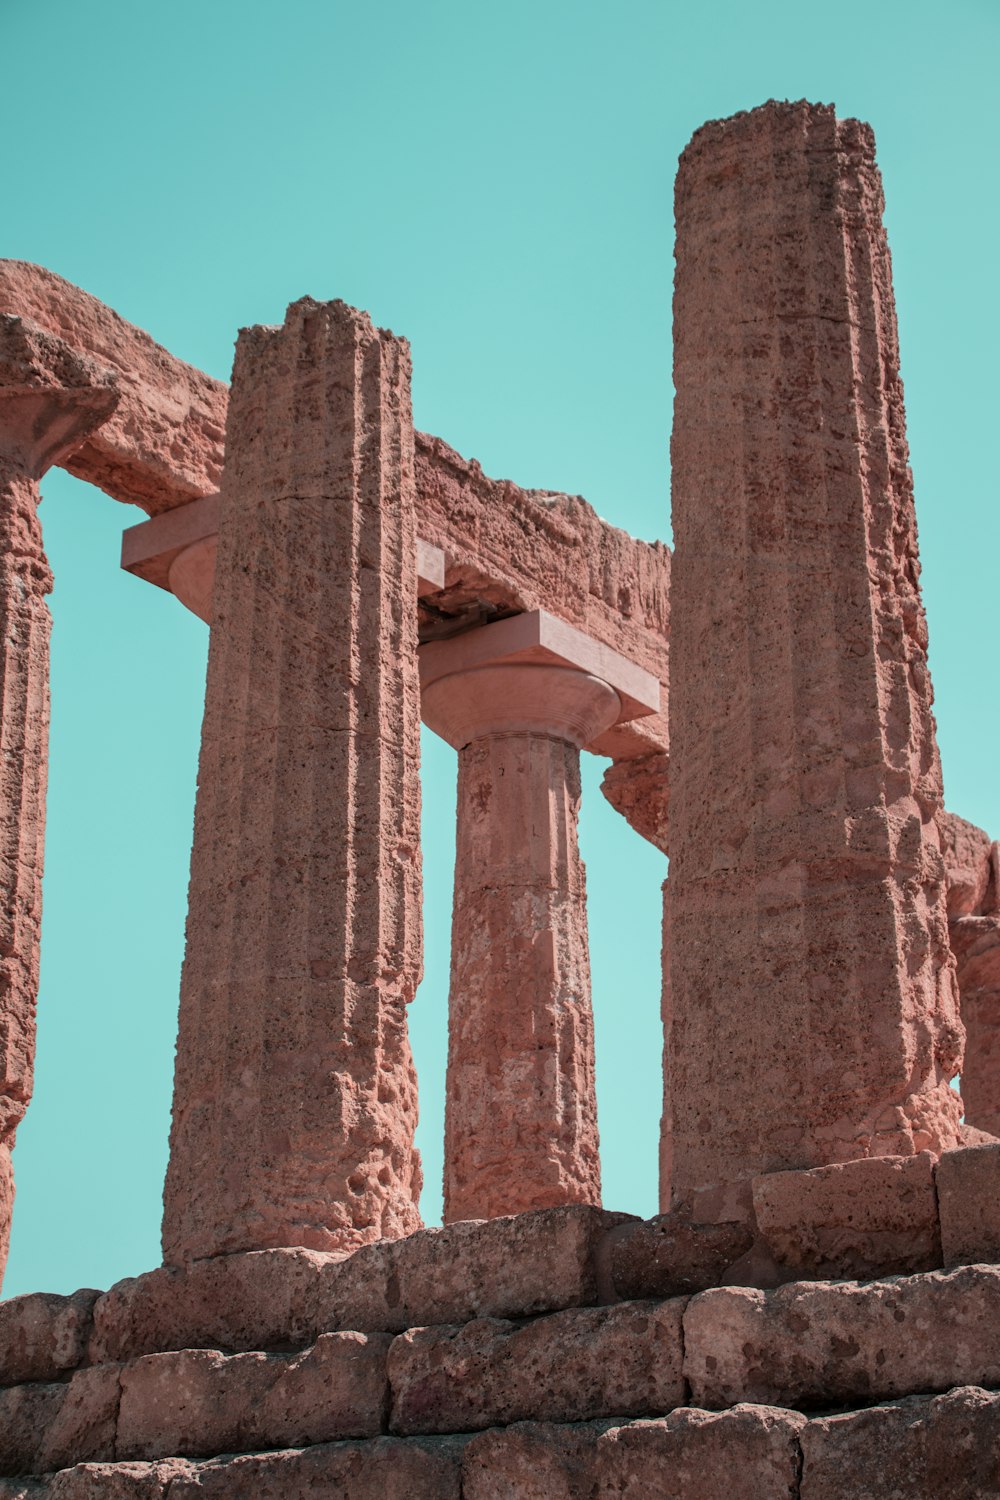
[50, 401]
[295, 1097]
[812, 1014]
[521, 1108]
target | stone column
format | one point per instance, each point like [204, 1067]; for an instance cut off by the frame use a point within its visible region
[50, 400]
[972, 863]
[521, 1109]
[813, 1012]
[295, 1098]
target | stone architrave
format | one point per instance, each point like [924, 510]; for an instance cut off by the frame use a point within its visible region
[812, 1015]
[295, 1097]
[518, 699]
[50, 400]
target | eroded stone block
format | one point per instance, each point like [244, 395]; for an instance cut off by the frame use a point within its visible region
[43, 1335]
[199, 1402]
[669, 1256]
[532, 1460]
[809, 1344]
[875, 1217]
[46, 1426]
[917, 1449]
[968, 1190]
[700, 1455]
[382, 1469]
[573, 1366]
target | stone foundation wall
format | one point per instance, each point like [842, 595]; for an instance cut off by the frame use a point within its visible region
[563, 1353]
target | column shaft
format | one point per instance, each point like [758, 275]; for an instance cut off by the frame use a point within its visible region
[295, 1095]
[521, 1113]
[812, 1014]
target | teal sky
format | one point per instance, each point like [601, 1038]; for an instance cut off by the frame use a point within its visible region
[494, 182]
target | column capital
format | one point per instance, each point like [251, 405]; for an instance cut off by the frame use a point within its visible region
[51, 398]
[532, 673]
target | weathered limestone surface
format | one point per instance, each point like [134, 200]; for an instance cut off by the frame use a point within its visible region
[50, 399]
[640, 790]
[572, 1366]
[700, 1455]
[972, 862]
[47, 1427]
[295, 1095]
[521, 1104]
[505, 1268]
[873, 1217]
[669, 1256]
[917, 1450]
[42, 1336]
[532, 1460]
[831, 1344]
[813, 1014]
[198, 1402]
[968, 1193]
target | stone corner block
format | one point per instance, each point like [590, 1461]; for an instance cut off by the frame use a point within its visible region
[872, 1217]
[968, 1191]
[43, 1336]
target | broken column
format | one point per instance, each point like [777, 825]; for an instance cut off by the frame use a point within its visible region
[972, 862]
[518, 699]
[812, 1014]
[50, 400]
[295, 1097]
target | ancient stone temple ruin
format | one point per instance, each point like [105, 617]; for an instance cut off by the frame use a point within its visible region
[815, 1312]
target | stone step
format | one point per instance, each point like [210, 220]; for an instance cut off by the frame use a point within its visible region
[926, 1448]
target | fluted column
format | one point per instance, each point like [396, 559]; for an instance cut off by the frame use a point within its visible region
[295, 1097]
[521, 1111]
[50, 401]
[813, 1011]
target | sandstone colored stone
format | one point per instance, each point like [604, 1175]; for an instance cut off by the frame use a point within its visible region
[700, 1455]
[520, 1100]
[295, 1094]
[533, 1461]
[832, 1344]
[968, 865]
[807, 924]
[198, 1402]
[916, 1450]
[381, 1469]
[6, 1205]
[45, 1426]
[670, 1256]
[968, 1192]
[640, 790]
[511, 1267]
[875, 1217]
[42, 1336]
[114, 1481]
[975, 941]
[572, 1366]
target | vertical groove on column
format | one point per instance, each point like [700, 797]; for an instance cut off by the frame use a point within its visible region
[521, 1114]
[295, 1097]
[811, 1014]
[25, 627]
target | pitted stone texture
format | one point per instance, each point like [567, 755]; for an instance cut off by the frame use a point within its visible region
[806, 904]
[381, 1469]
[916, 1449]
[520, 1103]
[640, 790]
[50, 399]
[669, 1256]
[700, 1455]
[968, 865]
[514, 1267]
[876, 1217]
[968, 1191]
[572, 1366]
[100, 1482]
[45, 1427]
[831, 1344]
[198, 1402]
[295, 1096]
[532, 1461]
[975, 941]
[43, 1336]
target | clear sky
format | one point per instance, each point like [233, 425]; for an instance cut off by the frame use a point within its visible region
[494, 182]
